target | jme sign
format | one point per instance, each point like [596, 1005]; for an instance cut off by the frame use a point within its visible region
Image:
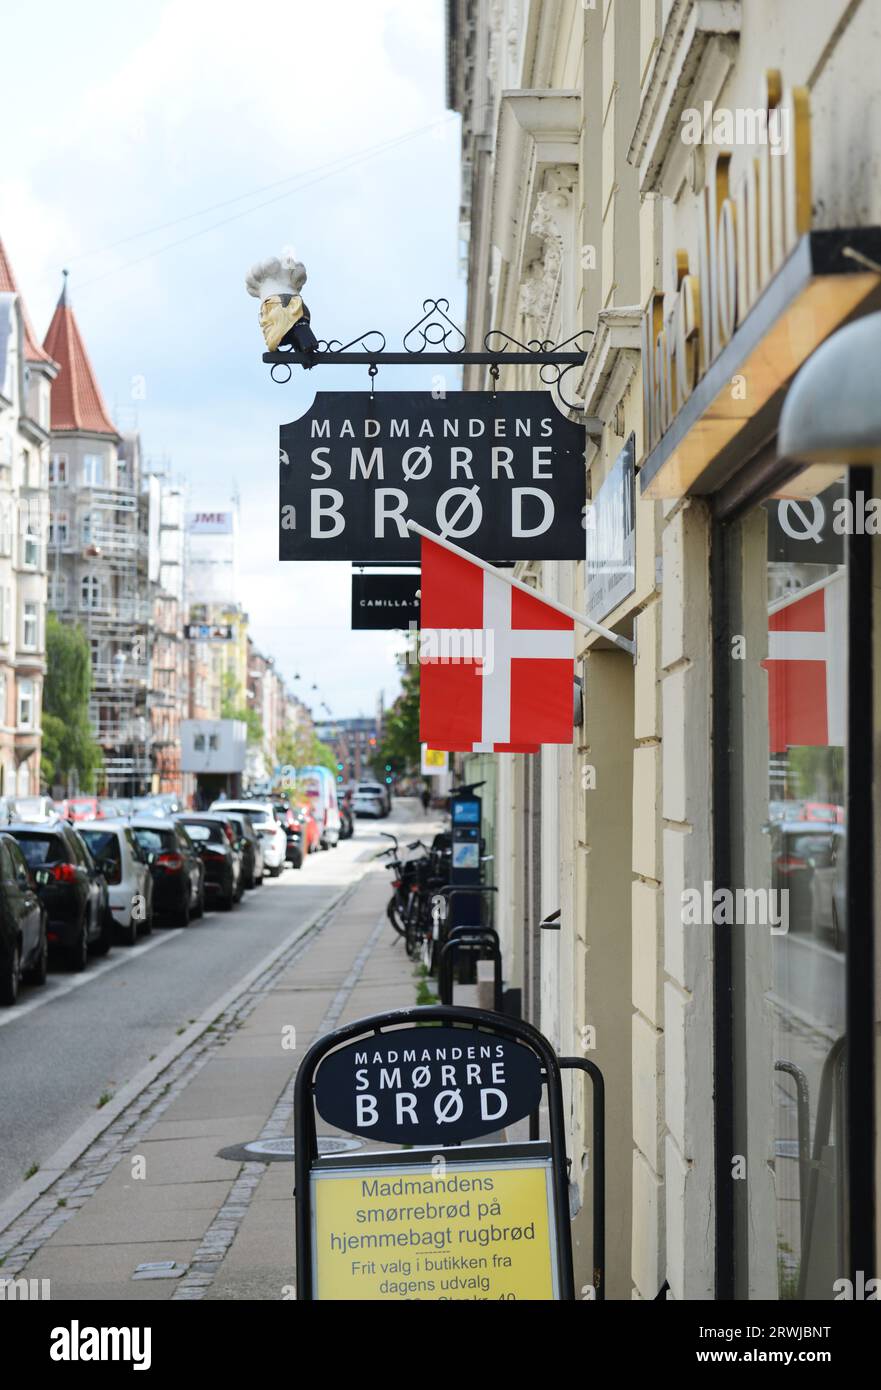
[503, 475]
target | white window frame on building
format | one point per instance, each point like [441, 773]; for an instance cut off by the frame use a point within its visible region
[92, 584]
[25, 703]
[30, 626]
[58, 470]
[58, 590]
[93, 470]
[30, 549]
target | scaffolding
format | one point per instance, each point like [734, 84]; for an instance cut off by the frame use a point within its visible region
[103, 558]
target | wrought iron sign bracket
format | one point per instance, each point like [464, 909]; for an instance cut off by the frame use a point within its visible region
[435, 340]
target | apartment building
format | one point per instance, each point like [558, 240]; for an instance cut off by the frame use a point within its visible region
[27, 372]
[692, 187]
[97, 553]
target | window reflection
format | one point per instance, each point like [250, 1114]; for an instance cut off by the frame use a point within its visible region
[790, 1040]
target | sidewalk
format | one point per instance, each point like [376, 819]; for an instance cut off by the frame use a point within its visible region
[155, 1189]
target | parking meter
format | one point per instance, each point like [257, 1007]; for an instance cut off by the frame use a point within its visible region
[466, 812]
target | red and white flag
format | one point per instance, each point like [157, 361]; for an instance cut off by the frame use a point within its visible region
[806, 666]
[496, 664]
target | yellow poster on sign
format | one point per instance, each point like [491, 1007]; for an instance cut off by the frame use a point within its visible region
[415, 1231]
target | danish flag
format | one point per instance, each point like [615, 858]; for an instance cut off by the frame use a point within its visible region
[806, 666]
[497, 665]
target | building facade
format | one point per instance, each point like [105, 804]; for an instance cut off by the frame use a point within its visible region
[97, 554]
[690, 188]
[27, 372]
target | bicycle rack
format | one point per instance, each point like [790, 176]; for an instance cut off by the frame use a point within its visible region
[470, 938]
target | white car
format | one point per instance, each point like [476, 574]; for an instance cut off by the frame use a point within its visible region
[368, 803]
[379, 792]
[115, 850]
[272, 836]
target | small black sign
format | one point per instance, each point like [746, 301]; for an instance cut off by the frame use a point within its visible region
[428, 1085]
[501, 475]
[384, 600]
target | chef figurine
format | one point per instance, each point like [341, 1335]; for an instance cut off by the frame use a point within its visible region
[284, 318]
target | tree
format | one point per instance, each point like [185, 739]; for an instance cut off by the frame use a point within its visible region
[232, 707]
[69, 749]
[301, 747]
[401, 747]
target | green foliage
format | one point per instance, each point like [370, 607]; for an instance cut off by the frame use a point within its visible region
[301, 747]
[68, 744]
[233, 707]
[400, 746]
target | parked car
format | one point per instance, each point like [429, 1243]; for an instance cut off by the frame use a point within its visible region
[320, 788]
[24, 941]
[377, 790]
[366, 802]
[311, 830]
[248, 843]
[216, 843]
[71, 888]
[807, 859]
[262, 818]
[175, 866]
[293, 828]
[116, 851]
[38, 809]
[83, 808]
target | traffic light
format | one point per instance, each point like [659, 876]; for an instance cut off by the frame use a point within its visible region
[388, 781]
[388, 767]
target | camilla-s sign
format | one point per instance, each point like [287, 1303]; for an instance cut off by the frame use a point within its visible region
[503, 474]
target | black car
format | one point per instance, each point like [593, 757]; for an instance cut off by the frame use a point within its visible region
[248, 843]
[24, 944]
[71, 888]
[216, 842]
[176, 867]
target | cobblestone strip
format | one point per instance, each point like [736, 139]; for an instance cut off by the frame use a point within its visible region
[28, 1233]
[223, 1230]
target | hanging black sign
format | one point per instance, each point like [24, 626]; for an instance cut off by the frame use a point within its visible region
[501, 475]
[428, 1085]
[384, 601]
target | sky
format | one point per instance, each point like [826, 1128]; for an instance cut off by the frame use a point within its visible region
[159, 150]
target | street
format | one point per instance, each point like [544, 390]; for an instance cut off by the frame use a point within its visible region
[85, 1037]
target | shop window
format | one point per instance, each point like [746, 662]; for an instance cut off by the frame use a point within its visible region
[786, 609]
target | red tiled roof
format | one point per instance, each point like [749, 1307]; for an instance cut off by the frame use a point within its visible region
[77, 403]
[32, 350]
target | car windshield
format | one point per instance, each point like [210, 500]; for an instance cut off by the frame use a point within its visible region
[41, 849]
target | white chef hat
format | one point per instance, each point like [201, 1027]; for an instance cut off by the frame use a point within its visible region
[282, 274]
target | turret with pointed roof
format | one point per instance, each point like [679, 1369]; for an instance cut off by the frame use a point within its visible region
[77, 403]
[32, 350]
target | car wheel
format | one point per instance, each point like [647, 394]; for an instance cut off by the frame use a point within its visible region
[10, 978]
[38, 973]
[274, 873]
[228, 901]
[102, 944]
[258, 882]
[182, 916]
[128, 936]
[199, 908]
[78, 953]
[146, 927]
